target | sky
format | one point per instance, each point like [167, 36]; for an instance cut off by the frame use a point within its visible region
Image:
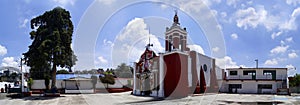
[110, 32]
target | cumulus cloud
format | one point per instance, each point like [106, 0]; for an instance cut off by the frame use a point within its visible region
[106, 2]
[196, 48]
[131, 42]
[23, 23]
[215, 49]
[279, 49]
[271, 62]
[9, 61]
[102, 60]
[276, 34]
[291, 70]
[289, 39]
[293, 55]
[292, 2]
[226, 62]
[108, 43]
[223, 14]
[234, 36]
[65, 2]
[291, 24]
[252, 17]
[232, 3]
[3, 50]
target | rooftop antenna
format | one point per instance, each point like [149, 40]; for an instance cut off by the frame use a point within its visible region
[149, 44]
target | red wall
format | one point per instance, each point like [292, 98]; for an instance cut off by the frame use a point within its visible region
[176, 78]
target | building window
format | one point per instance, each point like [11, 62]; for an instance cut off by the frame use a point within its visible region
[237, 86]
[205, 67]
[264, 86]
[250, 72]
[233, 72]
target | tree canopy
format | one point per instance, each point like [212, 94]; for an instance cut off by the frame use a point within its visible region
[51, 46]
[294, 81]
[62, 72]
[124, 71]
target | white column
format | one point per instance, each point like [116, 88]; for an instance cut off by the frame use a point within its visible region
[134, 78]
[189, 71]
[161, 76]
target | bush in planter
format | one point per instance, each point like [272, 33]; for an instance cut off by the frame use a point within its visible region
[30, 82]
[108, 79]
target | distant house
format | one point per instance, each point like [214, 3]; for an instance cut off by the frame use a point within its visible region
[254, 80]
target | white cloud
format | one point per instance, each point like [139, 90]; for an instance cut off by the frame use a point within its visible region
[234, 36]
[131, 42]
[293, 55]
[250, 17]
[215, 49]
[276, 34]
[279, 49]
[108, 43]
[232, 3]
[292, 2]
[291, 70]
[290, 39]
[196, 48]
[106, 2]
[102, 60]
[271, 62]
[223, 14]
[282, 42]
[226, 62]
[291, 24]
[65, 2]
[23, 23]
[3, 50]
[214, 12]
[9, 61]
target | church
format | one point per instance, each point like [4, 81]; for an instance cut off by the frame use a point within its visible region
[178, 72]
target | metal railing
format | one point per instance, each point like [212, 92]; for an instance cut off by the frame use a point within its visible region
[256, 77]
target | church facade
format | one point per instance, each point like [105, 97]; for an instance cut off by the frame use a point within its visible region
[176, 73]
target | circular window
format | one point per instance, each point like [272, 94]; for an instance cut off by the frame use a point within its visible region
[205, 67]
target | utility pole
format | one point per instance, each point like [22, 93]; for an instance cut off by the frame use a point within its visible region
[256, 60]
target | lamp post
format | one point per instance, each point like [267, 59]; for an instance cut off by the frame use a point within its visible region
[22, 76]
[256, 60]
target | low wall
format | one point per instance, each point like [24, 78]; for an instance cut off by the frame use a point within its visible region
[119, 83]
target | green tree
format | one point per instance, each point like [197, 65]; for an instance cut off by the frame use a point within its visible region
[62, 72]
[108, 79]
[124, 71]
[51, 45]
[295, 81]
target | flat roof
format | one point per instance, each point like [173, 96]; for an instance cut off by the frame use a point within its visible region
[255, 68]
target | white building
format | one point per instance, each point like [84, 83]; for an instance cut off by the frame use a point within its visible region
[254, 80]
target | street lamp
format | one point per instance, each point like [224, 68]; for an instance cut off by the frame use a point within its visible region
[22, 76]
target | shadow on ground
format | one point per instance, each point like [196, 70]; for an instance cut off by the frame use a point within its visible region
[19, 96]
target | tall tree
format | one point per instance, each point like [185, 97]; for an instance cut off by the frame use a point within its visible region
[124, 71]
[51, 46]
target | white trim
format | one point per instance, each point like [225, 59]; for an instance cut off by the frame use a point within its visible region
[161, 76]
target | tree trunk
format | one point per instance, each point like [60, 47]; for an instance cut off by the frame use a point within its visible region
[53, 83]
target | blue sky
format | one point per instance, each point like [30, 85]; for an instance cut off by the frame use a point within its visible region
[252, 29]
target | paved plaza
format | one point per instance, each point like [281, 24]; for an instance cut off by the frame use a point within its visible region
[127, 99]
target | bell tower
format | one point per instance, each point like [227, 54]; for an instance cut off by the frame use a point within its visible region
[175, 36]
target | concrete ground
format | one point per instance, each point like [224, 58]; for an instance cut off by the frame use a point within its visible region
[126, 98]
